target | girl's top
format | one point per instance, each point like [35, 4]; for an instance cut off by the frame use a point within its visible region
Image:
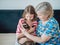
[18, 31]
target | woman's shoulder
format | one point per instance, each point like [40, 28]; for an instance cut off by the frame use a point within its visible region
[53, 20]
[53, 23]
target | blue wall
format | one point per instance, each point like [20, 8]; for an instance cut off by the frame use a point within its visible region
[9, 19]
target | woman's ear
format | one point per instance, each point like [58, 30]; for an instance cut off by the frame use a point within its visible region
[48, 16]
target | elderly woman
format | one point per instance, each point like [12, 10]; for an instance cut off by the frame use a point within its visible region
[48, 28]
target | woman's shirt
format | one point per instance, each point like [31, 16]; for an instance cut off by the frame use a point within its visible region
[51, 28]
[18, 31]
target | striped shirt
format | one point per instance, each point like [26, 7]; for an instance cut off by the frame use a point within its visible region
[18, 31]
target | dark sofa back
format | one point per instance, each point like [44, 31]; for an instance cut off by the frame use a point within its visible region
[9, 19]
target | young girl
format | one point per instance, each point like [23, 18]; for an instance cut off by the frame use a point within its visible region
[47, 31]
[29, 16]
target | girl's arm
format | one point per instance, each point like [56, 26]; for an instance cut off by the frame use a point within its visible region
[29, 31]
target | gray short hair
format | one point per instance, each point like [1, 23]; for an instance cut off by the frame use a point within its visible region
[45, 7]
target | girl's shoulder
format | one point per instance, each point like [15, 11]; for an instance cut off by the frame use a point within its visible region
[21, 20]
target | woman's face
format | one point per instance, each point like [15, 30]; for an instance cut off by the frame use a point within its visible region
[41, 16]
[29, 16]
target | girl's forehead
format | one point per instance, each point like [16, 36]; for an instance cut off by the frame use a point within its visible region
[29, 14]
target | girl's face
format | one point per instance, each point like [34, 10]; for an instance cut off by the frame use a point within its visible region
[29, 16]
[41, 16]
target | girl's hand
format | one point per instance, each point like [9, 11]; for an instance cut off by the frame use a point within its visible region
[22, 28]
[32, 28]
[22, 40]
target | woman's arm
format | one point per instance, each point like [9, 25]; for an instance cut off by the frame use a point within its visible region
[37, 39]
[41, 39]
